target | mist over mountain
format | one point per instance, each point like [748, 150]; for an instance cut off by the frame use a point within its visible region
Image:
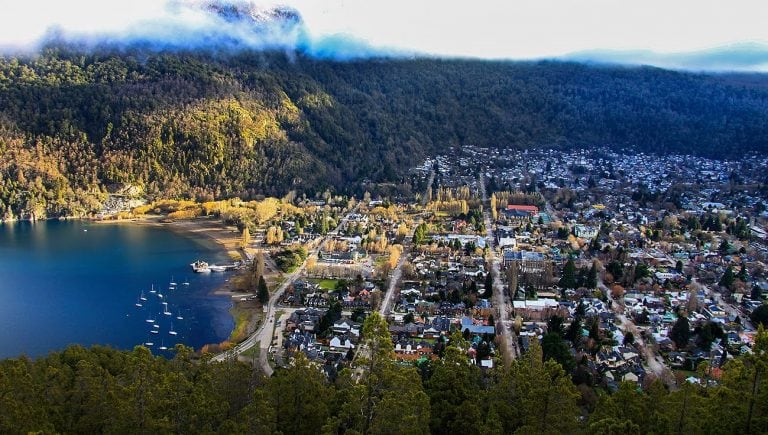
[745, 57]
[215, 27]
[724, 39]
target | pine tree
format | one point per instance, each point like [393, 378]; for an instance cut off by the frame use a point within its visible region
[547, 394]
[554, 347]
[728, 278]
[300, 397]
[573, 333]
[724, 247]
[263, 292]
[568, 280]
[681, 332]
[592, 277]
[453, 389]
[420, 235]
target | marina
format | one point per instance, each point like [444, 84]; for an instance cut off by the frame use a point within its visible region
[74, 295]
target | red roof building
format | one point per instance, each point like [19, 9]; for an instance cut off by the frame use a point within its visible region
[530, 209]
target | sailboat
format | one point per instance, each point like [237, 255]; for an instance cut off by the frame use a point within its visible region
[178, 315]
[156, 326]
[160, 295]
[150, 319]
[138, 303]
[155, 331]
[172, 332]
[142, 297]
[186, 282]
[165, 309]
[162, 346]
[153, 289]
[172, 283]
[149, 344]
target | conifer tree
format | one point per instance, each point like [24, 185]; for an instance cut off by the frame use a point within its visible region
[263, 291]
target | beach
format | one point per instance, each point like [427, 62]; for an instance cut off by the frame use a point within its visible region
[206, 230]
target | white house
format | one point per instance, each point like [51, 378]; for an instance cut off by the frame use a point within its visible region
[341, 343]
[584, 231]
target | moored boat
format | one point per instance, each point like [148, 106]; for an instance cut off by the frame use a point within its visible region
[200, 267]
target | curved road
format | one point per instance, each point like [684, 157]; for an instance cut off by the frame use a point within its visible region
[263, 335]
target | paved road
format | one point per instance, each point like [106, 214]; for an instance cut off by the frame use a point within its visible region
[499, 299]
[394, 279]
[263, 335]
[652, 360]
[397, 273]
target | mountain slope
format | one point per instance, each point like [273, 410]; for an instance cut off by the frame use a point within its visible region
[205, 124]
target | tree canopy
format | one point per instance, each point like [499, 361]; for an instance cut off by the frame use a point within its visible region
[105, 390]
[191, 124]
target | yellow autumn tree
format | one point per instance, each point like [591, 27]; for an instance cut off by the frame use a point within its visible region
[245, 240]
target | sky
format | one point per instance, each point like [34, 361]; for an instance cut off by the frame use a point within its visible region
[694, 34]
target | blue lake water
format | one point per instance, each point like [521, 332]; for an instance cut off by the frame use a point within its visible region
[65, 282]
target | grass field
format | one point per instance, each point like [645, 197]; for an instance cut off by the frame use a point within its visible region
[326, 284]
[242, 319]
[254, 351]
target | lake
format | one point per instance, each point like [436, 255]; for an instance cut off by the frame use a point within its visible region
[66, 282]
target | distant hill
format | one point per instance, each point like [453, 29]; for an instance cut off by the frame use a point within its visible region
[211, 125]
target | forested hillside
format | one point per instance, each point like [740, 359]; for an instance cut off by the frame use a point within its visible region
[107, 391]
[207, 126]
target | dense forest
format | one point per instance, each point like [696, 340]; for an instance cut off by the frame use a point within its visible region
[101, 390]
[75, 124]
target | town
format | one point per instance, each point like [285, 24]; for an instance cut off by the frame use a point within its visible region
[623, 267]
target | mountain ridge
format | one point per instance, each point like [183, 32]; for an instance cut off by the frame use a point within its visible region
[213, 125]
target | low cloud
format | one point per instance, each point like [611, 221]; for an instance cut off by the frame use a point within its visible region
[592, 31]
[212, 25]
[748, 57]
